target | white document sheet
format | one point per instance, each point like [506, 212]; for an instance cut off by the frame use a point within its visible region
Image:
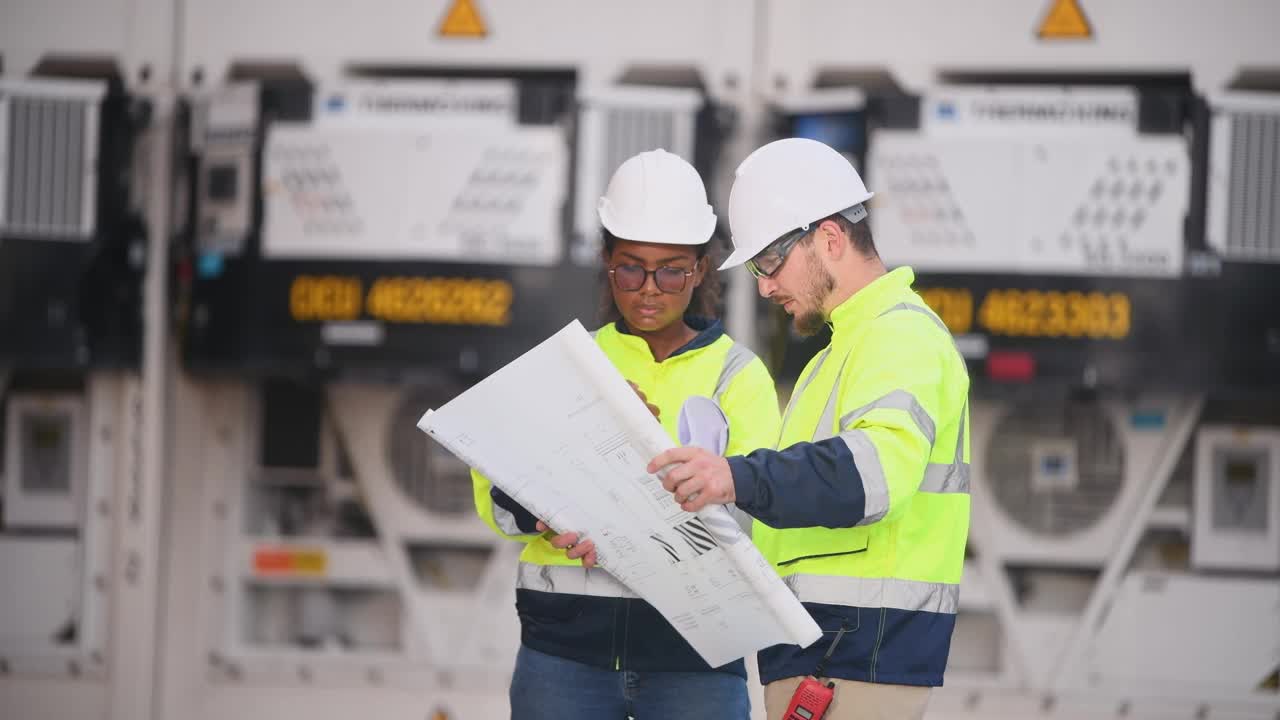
[561, 432]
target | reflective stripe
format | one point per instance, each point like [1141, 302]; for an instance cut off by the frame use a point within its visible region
[506, 521]
[896, 400]
[737, 359]
[573, 579]
[800, 390]
[910, 595]
[940, 478]
[923, 311]
[874, 486]
[953, 478]
[826, 423]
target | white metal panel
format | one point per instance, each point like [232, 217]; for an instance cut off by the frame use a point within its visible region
[45, 601]
[458, 195]
[136, 34]
[598, 39]
[1184, 635]
[916, 40]
[1030, 181]
[49, 698]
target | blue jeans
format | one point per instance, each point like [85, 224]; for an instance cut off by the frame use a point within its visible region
[546, 687]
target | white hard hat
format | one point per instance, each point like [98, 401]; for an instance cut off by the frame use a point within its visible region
[657, 197]
[787, 185]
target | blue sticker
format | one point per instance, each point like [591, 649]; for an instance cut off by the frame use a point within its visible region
[946, 111]
[1147, 419]
[209, 265]
[335, 103]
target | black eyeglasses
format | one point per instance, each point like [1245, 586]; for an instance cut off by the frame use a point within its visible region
[633, 277]
[769, 261]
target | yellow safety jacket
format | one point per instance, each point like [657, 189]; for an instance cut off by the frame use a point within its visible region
[865, 510]
[586, 615]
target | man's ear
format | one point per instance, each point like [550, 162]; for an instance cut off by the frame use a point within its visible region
[834, 243]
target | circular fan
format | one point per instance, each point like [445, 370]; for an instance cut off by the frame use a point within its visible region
[1055, 467]
[424, 471]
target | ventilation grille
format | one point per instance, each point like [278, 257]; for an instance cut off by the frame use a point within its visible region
[48, 176]
[1099, 461]
[424, 471]
[1253, 209]
[630, 131]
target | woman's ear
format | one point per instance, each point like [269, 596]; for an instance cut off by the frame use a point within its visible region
[700, 269]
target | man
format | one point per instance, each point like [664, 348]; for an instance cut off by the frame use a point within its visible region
[865, 509]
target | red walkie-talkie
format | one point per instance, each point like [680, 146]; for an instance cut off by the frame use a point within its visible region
[812, 698]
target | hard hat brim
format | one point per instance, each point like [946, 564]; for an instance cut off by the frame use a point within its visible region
[736, 258]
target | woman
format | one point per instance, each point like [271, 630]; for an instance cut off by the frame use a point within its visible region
[589, 647]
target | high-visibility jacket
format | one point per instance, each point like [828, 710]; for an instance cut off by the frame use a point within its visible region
[865, 510]
[585, 614]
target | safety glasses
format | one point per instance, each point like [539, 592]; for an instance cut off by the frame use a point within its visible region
[769, 261]
[633, 277]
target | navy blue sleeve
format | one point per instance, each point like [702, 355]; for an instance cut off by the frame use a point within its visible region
[525, 520]
[806, 485]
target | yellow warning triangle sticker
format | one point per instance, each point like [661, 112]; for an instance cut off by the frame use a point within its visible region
[1065, 21]
[463, 20]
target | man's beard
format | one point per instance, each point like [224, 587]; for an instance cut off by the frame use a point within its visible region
[811, 322]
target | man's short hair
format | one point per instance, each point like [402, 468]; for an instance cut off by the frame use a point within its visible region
[859, 234]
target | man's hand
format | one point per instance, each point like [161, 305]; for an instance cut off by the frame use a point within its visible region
[574, 550]
[698, 478]
[643, 398]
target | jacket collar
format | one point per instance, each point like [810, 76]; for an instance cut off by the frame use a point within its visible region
[709, 330]
[869, 302]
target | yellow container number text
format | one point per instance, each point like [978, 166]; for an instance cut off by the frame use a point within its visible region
[446, 301]
[1035, 313]
[435, 300]
[324, 297]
